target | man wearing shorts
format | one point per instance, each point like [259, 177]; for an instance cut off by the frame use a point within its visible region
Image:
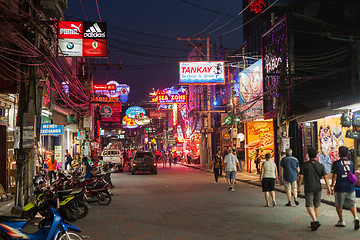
[312, 171]
[344, 190]
[290, 169]
[231, 162]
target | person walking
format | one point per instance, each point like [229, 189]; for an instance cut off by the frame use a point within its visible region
[52, 168]
[342, 188]
[290, 170]
[170, 158]
[68, 158]
[268, 178]
[312, 172]
[230, 163]
[217, 165]
[164, 159]
[257, 161]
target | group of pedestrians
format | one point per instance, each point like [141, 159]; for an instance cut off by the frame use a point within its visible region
[311, 172]
[231, 165]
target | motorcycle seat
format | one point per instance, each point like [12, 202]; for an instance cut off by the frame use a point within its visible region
[13, 219]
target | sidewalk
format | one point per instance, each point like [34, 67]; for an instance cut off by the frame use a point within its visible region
[253, 178]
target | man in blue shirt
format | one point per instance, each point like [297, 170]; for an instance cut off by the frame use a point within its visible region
[290, 170]
[344, 190]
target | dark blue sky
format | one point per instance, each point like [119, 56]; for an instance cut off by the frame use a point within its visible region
[144, 34]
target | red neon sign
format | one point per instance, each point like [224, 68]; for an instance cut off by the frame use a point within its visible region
[110, 87]
[256, 5]
[163, 98]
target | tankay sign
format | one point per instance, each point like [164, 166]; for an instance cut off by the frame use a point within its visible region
[196, 73]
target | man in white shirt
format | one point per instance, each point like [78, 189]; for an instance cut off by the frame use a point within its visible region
[230, 163]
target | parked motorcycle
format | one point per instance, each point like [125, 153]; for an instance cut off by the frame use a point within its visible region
[52, 227]
[96, 188]
[72, 206]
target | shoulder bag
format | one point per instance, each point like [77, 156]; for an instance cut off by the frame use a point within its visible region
[351, 177]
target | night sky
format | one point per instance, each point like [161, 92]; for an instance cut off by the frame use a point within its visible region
[144, 35]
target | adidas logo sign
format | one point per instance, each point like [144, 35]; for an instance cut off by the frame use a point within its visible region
[94, 32]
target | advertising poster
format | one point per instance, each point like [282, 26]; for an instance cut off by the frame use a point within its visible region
[331, 137]
[82, 39]
[251, 91]
[208, 73]
[48, 155]
[259, 136]
[70, 47]
[94, 48]
[58, 156]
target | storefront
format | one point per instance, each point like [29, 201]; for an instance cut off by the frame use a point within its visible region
[8, 111]
[327, 133]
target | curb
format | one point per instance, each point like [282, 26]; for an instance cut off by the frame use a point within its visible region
[332, 203]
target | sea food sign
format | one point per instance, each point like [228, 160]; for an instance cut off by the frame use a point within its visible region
[208, 73]
[171, 96]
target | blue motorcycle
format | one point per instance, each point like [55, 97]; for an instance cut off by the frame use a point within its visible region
[52, 227]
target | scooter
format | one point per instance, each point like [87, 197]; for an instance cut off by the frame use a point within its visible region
[52, 227]
[99, 192]
[72, 206]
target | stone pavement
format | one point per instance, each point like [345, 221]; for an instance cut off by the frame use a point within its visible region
[253, 178]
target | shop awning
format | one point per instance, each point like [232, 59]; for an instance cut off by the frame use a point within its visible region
[316, 114]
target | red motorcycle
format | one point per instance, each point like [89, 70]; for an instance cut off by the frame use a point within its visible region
[96, 188]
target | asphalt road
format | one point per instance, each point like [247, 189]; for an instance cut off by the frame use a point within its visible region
[184, 203]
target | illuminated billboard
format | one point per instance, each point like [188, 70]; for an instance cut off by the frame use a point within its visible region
[201, 73]
[82, 39]
[251, 91]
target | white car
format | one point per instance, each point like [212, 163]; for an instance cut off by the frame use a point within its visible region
[115, 157]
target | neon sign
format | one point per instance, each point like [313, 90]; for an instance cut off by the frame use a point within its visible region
[109, 87]
[132, 112]
[163, 98]
[96, 99]
[256, 5]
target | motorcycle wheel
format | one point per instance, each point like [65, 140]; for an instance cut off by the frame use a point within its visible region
[104, 198]
[72, 235]
[83, 209]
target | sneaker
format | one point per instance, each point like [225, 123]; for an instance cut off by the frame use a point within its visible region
[274, 203]
[356, 224]
[296, 202]
[215, 182]
[230, 188]
[315, 225]
[340, 224]
[288, 204]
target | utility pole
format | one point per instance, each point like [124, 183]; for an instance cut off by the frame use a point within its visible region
[205, 108]
[28, 123]
[209, 129]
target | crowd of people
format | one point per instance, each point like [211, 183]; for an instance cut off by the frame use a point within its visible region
[292, 176]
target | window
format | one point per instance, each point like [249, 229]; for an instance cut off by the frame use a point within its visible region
[143, 154]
